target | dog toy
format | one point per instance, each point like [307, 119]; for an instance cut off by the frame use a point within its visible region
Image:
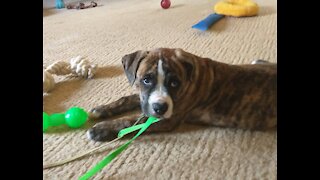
[116, 152]
[74, 117]
[165, 4]
[206, 23]
[81, 5]
[59, 4]
[78, 66]
[235, 8]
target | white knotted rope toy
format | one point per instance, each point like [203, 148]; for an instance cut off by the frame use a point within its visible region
[78, 66]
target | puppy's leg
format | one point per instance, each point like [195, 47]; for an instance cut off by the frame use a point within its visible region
[259, 61]
[108, 130]
[122, 105]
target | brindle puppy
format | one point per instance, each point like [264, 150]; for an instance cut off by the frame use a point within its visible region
[177, 86]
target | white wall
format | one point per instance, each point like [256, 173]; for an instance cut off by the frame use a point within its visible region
[48, 4]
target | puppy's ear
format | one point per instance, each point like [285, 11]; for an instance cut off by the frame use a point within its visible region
[189, 67]
[131, 63]
[187, 60]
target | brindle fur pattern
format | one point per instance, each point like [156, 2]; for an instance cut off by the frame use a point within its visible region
[209, 93]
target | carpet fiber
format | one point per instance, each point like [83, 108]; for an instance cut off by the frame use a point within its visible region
[117, 27]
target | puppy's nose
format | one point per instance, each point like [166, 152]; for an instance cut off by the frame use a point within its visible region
[160, 108]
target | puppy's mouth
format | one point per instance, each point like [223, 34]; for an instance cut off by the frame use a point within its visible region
[160, 110]
[160, 117]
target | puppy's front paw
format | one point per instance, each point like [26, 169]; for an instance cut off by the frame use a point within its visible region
[98, 113]
[93, 115]
[101, 134]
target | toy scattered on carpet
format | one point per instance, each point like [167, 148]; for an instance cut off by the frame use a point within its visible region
[78, 66]
[59, 4]
[235, 8]
[81, 5]
[206, 23]
[112, 154]
[74, 117]
[116, 152]
[165, 4]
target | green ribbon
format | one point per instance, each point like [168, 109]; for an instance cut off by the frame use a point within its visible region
[116, 152]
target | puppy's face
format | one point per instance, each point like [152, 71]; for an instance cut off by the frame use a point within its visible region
[161, 76]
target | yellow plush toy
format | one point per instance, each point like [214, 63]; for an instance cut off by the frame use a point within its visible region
[236, 8]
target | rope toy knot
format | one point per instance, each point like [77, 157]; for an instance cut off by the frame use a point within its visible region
[82, 67]
[77, 66]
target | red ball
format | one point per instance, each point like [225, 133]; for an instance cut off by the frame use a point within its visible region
[165, 4]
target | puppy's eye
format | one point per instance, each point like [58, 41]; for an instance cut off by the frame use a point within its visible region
[174, 83]
[147, 80]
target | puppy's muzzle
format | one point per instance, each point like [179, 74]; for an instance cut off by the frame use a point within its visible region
[160, 108]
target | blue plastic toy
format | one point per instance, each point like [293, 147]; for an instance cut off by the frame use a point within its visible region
[206, 23]
[59, 4]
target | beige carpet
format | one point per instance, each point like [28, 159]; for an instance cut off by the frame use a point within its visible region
[117, 27]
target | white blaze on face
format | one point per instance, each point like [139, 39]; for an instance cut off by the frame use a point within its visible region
[160, 94]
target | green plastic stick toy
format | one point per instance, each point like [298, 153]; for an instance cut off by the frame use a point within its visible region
[75, 117]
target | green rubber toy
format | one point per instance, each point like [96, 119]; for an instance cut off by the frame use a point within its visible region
[75, 117]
